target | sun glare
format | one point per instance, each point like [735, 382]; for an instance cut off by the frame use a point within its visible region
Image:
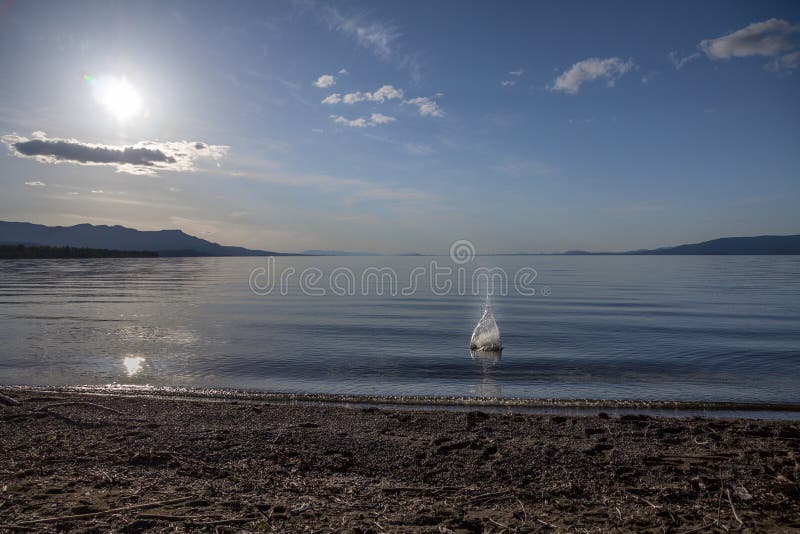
[117, 96]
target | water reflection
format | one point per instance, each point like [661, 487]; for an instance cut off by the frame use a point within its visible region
[133, 364]
[488, 360]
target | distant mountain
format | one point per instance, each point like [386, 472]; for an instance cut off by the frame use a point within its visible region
[316, 252]
[32, 252]
[759, 245]
[164, 242]
[763, 245]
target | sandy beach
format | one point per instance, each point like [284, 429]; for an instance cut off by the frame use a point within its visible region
[83, 462]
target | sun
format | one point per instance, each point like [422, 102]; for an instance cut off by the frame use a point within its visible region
[117, 96]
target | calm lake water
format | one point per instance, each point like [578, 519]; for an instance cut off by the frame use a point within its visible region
[697, 328]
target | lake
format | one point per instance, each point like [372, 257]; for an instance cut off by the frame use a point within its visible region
[689, 328]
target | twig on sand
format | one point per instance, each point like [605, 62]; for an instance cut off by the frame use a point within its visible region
[92, 515]
[81, 403]
[545, 523]
[419, 489]
[698, 529]
[643, 500]
[232, 521]
[172, 518]
[524, 512]
[18, 527]
[490, 496]
[8, 401]
[501, 525]
[730, 501]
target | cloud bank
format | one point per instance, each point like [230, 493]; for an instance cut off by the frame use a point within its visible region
[588, 70]
[145, 157]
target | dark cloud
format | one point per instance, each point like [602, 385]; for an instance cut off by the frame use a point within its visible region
[73, 151]
[146, 157]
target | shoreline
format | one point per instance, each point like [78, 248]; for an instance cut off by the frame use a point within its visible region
[124, 462]
[545, 406]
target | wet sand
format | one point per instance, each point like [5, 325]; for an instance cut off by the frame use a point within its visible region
[82, 462]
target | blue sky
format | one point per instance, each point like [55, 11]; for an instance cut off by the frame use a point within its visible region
[524, 126]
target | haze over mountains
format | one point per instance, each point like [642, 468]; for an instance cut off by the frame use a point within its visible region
[178, 243]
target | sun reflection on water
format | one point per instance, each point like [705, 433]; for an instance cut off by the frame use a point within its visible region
[133, 364]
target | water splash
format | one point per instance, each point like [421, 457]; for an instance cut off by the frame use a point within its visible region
[486, 336]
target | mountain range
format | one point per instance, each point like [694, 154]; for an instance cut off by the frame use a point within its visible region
[164, 242]
[758, 245]
[178, 243]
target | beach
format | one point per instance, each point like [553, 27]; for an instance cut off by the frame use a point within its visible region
[90, 462]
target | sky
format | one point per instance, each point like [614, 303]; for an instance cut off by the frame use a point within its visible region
[404, 126]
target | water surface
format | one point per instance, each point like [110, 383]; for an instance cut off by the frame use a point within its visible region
[690, 328]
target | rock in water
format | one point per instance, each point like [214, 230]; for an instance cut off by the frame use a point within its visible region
[486, 336]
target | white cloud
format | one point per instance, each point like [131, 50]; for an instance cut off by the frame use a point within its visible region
[383, 93]
[374, 119]
[611, 69]
[370, 34]
[144, 157]
[508, 83]
[678, 62]
[380, 118]
[36, 183]
[343, 72]
[378, 37]
[334, 98]
[427, 106]
[518, 72]
[324, 81]
[786, 62]
[768, 38]
[360, 122]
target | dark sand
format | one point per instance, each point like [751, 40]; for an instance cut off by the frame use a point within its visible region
[252, 466]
